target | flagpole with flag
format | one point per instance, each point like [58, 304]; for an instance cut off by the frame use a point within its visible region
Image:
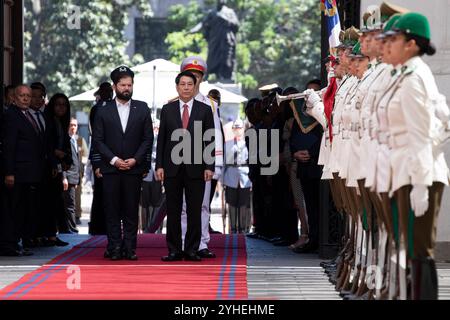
[330, 9]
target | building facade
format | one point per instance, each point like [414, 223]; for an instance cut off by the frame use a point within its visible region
[12, 41]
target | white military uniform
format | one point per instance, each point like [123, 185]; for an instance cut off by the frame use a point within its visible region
[356, 106]
[217, 174]
[334, 159]
[414, 129]
[317, 111]
[379, 178]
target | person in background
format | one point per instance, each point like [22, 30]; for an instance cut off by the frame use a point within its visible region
[58, 111]
[236, 180]
[9, 97]
[97, 223]
[72, 177]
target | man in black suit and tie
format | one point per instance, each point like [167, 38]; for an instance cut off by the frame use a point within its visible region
[189, 174]
[24, 155]
[122, 138]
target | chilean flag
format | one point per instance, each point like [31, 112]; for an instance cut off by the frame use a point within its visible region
[333, 23]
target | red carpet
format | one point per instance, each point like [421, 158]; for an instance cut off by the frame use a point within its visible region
[83, 273]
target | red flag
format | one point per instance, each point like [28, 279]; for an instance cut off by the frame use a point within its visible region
[328, 102]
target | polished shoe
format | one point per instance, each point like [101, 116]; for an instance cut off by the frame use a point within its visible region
[26, 253]
[130, 255]
[114, 254]
[253, 235]
[281, 243]
[206, 253]
[172, 257]
[308, 248]
[78, 221]
[192, 257]
[275, 239]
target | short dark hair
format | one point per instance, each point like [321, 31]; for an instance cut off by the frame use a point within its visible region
[39, 85]
[105, 91]
[314, 81]
[185, 74]
[215, 94]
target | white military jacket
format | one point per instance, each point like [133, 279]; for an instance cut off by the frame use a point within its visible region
[414, 128]
[218, 132]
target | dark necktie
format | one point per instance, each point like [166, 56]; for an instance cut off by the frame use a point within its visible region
[185, 118]
[235, 152]
[39, 121]
[32, 121]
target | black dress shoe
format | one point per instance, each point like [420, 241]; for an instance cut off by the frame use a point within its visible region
[275, 239]
[8, 252]
[130, 255]
[107, 254]
[60, 243]
[114, 254]
[192, 257]
[172, 257]
[308, 248]
[253, 235]
[206, 253]
[26, 252]
[281, 243]
[77, 221]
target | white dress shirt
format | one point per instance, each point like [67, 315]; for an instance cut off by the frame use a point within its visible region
[124, 113]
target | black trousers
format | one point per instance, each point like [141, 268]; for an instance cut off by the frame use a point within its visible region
[70, 204]
[311, 190]
[7, 239]
[24, 208]
[97, 223]
[194, 190]
[121, 193]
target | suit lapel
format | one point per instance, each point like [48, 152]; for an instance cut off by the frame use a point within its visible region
[176, 108]
[25, 119]
[193, 115]
[132, 116]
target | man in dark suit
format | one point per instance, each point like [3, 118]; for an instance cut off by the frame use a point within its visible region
[123, 138]
[306, 137]
[188, 174]
[25, 155]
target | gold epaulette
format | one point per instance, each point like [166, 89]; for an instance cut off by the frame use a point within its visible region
[173, 99]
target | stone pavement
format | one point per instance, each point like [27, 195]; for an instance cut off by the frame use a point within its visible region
[273, 272]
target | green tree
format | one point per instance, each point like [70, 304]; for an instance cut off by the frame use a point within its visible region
[72, 58]
[278, 41]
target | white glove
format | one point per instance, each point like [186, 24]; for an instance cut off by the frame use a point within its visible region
[419, 199]
[312, 98]
[217, 173]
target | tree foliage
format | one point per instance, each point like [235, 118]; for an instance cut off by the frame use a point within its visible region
[70, 59]
[278, 41]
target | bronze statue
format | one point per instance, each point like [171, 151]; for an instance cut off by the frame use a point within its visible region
[219, 29]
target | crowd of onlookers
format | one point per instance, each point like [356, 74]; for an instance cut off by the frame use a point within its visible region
[42, 163]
